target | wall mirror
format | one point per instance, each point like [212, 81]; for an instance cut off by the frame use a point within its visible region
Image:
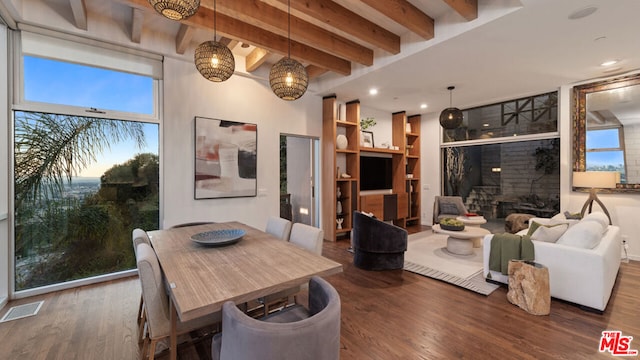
[606, 127]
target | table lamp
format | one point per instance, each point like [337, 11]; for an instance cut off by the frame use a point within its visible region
[595, 180]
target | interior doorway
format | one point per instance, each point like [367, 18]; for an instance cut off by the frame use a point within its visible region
[299, 172]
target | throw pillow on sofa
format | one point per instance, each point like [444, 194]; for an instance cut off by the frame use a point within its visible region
[585, 234]
[598, 217]
[546, 233]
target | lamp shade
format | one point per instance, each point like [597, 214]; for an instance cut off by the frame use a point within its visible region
[288, 79]
[214, 61]
[451, 118]
[595, 179]
[176, 9]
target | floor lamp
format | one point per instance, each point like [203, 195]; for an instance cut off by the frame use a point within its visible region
[595, 180]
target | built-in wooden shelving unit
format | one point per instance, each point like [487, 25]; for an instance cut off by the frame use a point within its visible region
[404, 201]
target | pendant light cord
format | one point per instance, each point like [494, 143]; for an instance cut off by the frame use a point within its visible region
[289, 26]
[215, 32]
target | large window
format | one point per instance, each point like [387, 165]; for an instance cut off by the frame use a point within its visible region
[504, 158]
[86, 162]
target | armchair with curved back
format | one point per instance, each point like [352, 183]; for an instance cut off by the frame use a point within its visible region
[377, 245]
[448, 207]
[295, 333]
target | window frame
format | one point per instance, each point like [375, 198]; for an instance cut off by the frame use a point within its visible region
[18, 103]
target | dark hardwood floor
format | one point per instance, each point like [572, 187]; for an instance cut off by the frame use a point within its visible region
[385, 315]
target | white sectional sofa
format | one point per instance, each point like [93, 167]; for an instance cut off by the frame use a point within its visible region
[577, 273]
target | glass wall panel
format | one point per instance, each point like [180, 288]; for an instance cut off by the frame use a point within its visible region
[498, 179]
[531, 115]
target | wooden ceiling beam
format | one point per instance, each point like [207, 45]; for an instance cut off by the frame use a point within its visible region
[467, 8]
[264, 39]
[230, 43]
[79, 11]
[251, 34]
[349, 22]
[405, 14]
[275, 20]
[255, 59]
[315, 71]
[184, 37]
[137, 19]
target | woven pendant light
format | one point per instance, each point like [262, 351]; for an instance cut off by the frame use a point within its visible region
[214, 60]
[451, 117]
[288, 78]
[176, 9]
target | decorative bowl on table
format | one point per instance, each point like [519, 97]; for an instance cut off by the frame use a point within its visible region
[221, 237]
[451, 224]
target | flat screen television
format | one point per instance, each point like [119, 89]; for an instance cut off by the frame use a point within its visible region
[375, 172]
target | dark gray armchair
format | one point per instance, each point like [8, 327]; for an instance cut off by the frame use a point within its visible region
[377, 245]
[293, 333]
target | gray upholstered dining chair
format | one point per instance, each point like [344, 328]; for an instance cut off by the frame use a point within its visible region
[307, 237]
[156, 303]
[304, 236]
[278, 227]
[139, 236]
[295, 333]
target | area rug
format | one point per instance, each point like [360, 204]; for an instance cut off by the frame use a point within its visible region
[427, 255]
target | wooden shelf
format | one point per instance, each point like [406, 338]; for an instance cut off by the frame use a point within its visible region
[380, 151]
[345, 123]
[346, 151]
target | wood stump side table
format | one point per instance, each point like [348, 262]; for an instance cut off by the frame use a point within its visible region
[529, 287]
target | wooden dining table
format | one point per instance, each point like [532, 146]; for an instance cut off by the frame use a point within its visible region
[202, 278]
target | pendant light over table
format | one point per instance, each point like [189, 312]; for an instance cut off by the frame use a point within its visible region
[214, 60]
[451, 117]
[176, 9]
[288, 78]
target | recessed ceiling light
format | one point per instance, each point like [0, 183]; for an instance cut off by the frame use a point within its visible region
[582, 13]
[609, 63]
[423, 106]
[485, 125]
[373, 91]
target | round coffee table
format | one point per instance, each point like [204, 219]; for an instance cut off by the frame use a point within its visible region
[475, 221]
[461, 242]
[472, 220]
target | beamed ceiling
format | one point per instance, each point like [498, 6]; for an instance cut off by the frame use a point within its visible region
[326, 36]
[410, 50]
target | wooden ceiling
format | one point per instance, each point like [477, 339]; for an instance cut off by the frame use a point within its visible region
[326, 36]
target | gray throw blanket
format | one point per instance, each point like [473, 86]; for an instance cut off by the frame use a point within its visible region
[505, 247]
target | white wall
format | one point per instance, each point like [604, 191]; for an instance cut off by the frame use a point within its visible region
[623, 208]
[186, 95]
